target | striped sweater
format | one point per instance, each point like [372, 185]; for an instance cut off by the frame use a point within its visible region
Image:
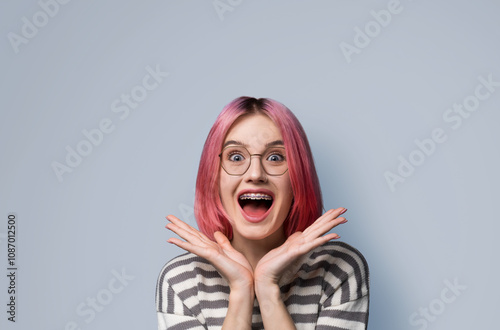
[328, 288]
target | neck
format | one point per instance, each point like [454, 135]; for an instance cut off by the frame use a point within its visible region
[254, 250]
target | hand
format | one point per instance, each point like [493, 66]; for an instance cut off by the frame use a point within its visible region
[230, 263]
[272, 266]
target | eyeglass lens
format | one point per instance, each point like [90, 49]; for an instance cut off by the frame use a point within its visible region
[236, 160]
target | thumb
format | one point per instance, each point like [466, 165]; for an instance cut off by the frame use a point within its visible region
[222, 240]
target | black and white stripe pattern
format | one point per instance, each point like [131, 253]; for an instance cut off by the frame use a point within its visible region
[326, 289]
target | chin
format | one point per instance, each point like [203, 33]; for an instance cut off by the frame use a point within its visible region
[268, 227]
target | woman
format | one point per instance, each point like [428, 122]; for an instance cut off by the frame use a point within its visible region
[262, 257]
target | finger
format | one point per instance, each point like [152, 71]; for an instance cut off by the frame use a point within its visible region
[224, 243]
[330, 220]
[185, 234]
[324, 217]
[329, 215]
[328, 225]
[320, 229]
[323, 239]
[173, 219]
[181, 224]
[198, 250]
[335, 213]
[312, 244]
[328, 237]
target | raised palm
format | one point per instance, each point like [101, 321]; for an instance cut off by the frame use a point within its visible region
[230, 263]
[272, 266]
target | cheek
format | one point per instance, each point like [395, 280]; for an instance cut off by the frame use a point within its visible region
[287, 187]
[222, 191]
[226, 189]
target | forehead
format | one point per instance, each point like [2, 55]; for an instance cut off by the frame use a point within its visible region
[253, 130]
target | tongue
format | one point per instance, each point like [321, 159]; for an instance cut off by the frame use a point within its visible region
[255, 208]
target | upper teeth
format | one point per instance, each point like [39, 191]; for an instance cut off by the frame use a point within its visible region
[256, 196]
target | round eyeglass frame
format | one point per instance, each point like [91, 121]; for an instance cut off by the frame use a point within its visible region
[250, 162]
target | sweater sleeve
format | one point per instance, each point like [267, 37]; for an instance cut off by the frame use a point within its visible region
[352, 315]
[173, 314]
[346, 291]
[171, 310]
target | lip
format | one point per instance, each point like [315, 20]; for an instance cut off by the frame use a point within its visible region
[255, 191]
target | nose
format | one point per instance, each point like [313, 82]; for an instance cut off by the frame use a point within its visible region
[255, 172]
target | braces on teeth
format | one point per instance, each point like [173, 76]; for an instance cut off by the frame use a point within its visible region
[256, 196]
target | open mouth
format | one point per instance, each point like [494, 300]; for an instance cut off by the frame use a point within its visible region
[255, 205]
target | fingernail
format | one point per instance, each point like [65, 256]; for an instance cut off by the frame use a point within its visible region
[344, 221]
[337, 237]
[343, 211]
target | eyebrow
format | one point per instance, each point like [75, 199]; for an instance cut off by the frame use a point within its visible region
[239, 143]
[275, 143]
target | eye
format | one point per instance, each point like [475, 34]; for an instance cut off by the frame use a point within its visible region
[236, 157]
[276, 157]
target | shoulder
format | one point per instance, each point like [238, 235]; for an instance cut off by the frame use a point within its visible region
[339, 254]
[183, 268]
[181, 277]
[340, 265]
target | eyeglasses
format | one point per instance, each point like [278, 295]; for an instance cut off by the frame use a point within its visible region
[236, 160]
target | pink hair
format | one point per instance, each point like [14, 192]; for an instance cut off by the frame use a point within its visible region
[307, 205]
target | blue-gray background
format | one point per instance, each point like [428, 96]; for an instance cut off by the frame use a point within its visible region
[106, 216]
